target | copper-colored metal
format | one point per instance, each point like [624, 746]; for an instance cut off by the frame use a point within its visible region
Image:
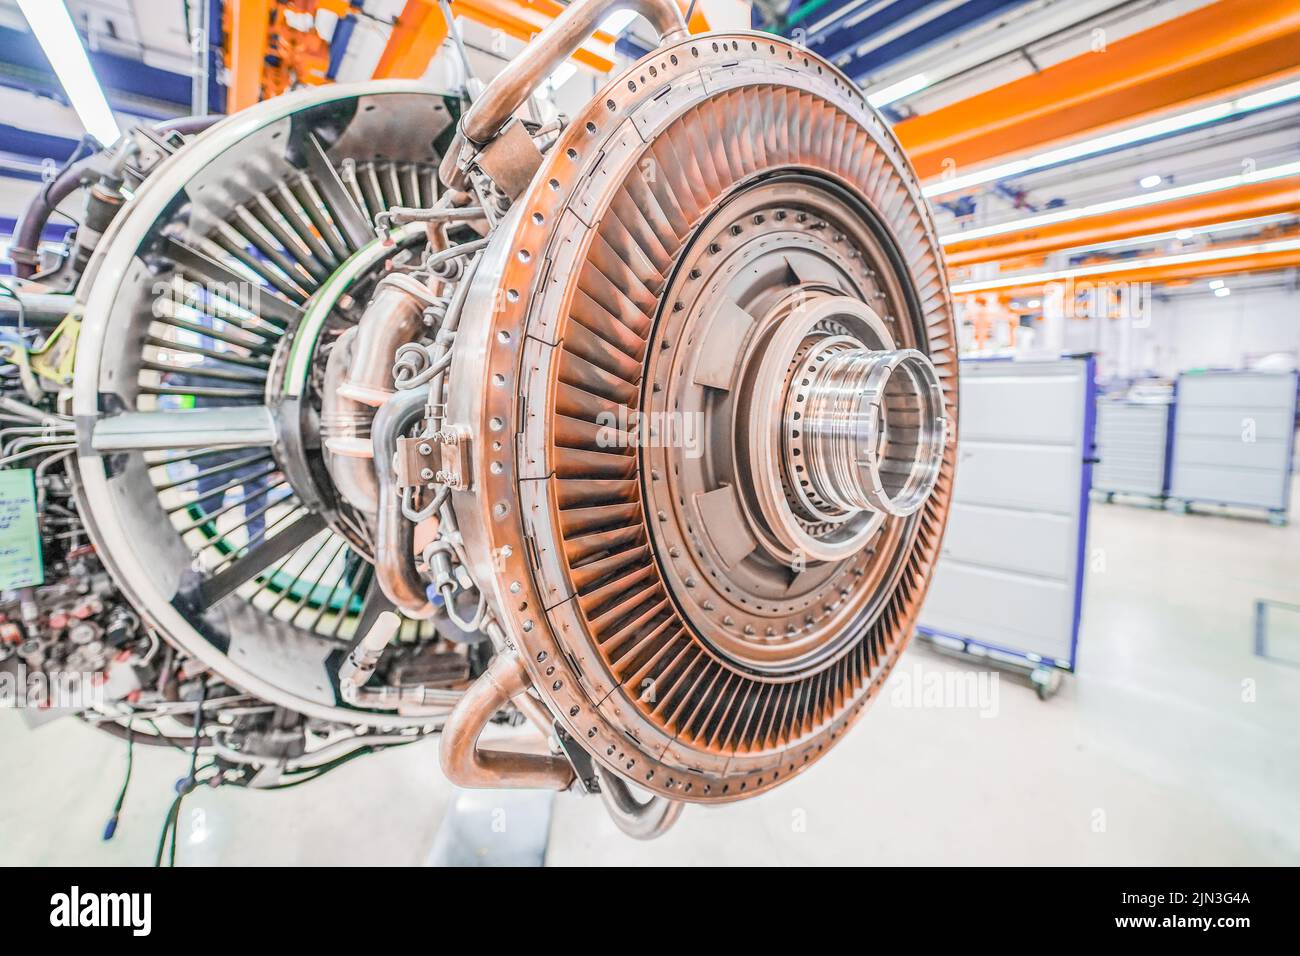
[466, 764]
[358, 379]
[719, 173]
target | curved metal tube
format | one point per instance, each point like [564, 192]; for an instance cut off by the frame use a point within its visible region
[27, 231]
[393, 318]
[189, 125]
[641, 821]
[30, 225]
[357, 381]
[467, 765]
[511, 87]
[345, 428]
[395, 536]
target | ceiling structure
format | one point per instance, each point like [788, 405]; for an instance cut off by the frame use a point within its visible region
[968, 84]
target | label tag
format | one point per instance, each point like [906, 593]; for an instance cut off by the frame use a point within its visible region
[21, 564]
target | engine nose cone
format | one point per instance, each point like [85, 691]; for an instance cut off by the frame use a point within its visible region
[866, 427]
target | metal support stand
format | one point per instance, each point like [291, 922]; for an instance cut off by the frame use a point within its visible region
[1043, 678]
[495, 828]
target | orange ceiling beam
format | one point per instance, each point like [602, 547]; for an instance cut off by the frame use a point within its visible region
[512, 18]
[508, 15]
[1259, 262]
[250, 22]
[420, 30]
[1209, 53]
[1241, 202]
[416, 35]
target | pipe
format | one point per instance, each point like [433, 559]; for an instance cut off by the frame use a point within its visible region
[37, 309]
[395, 536]
[358, 374]
[23, 251]
[200, 39]
[188, 125]
[346, 434]
[393, 317]
[536, 711]
[641, 821]
[467, 765]
[510, 88]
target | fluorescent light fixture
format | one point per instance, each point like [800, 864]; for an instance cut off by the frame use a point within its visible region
[1127, 265]
[1151, 182]
[1034, 303]
[617, 22]
[1118, 205]
[1216, 283]
[563, 73]
[1124, 137]
[897, 91]
[1187, 235]
[843, 13]
[57, 36]
[1222, 291]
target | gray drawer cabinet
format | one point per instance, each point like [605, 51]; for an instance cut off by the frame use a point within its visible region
[1010, 573]
[1234, 440]
[1132, 447]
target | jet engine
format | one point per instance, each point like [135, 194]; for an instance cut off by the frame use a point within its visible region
[404, 413]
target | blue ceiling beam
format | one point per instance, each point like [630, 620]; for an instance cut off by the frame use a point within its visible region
[54, 232]
[339, 44]
[216, 41]
[35, 147]
[128, 84]
[625, 46]
[834, 39]
[954, 21]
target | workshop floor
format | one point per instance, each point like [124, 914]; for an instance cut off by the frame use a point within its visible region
[1174, 744]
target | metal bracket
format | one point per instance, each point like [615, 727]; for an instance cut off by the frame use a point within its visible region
[441, 458]
[511, 159]
[583, 766]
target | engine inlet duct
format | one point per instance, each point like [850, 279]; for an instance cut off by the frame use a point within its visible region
[693, 441]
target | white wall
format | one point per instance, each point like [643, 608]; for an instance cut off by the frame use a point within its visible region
[1187, 330]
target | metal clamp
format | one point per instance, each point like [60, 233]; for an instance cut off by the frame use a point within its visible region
[441, 458]
[521, 77]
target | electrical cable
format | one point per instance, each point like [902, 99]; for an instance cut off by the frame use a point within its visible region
[111, 827]
[184, 786]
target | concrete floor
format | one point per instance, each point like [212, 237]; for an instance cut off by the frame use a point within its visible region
[1174, 744]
